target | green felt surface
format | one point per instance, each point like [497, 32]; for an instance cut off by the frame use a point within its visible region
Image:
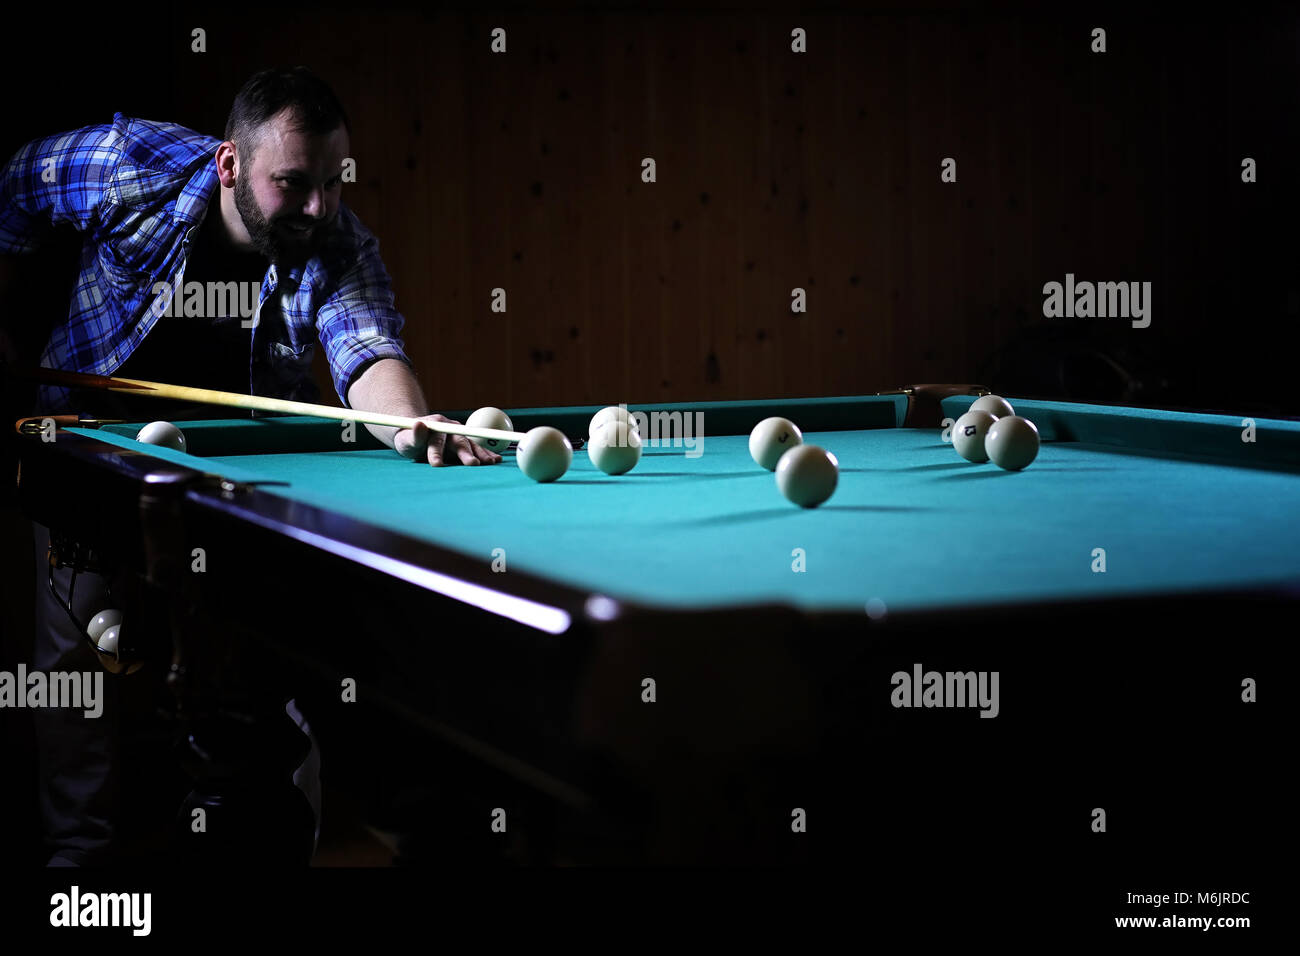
[911, 524]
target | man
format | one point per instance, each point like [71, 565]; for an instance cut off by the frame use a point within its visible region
[160, 207]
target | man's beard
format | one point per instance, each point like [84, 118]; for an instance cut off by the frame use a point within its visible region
[270, 240]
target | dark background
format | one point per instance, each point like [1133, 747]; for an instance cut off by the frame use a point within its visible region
[775, 170]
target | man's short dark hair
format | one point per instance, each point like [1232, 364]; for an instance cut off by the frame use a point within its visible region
[315, 108]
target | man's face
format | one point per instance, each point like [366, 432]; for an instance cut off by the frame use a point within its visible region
[287, 192]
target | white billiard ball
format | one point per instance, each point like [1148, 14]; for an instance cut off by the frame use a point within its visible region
[772, 438]
[544, 454]
[491, 417]
[968, 435]
[607, 414]
[615, 447]
[101, 622]
[108, 643]
[1012, 442]
[807, 475]
[162, 434]
[995, 405]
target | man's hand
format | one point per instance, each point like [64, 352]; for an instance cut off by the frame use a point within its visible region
[390, 385]
[425, 444]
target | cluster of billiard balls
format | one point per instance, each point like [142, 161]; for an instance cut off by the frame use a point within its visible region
[805, 474]
[104, 631]
[544, 453]
[992, 431]
[614, 440]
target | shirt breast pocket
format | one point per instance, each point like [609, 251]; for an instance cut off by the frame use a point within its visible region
[291, 363]
[132, 287]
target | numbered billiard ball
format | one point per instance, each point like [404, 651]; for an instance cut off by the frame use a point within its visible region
[615, 447]
[1012, 442]
[807, 475]
[491, 417]
[544, 453]
[968, 435]
[995, 405]
[162, 434]
[772, 438]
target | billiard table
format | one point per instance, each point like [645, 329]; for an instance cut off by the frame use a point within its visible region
[675, 663]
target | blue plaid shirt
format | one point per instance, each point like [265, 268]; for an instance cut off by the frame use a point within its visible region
[138, 191]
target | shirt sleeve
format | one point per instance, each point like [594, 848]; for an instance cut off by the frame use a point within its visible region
[359, 323]
[54, 181]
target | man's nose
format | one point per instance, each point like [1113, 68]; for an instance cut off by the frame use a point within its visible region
[314, 206]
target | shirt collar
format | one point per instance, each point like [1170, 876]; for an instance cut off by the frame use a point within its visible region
[195, 195]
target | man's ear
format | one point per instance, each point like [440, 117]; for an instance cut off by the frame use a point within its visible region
[227, 160]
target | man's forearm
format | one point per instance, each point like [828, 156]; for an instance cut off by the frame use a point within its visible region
[388, 386]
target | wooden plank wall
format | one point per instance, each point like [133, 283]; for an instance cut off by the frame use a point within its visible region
[778, 170]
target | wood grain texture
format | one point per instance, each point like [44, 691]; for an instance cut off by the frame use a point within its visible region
[818, 171]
